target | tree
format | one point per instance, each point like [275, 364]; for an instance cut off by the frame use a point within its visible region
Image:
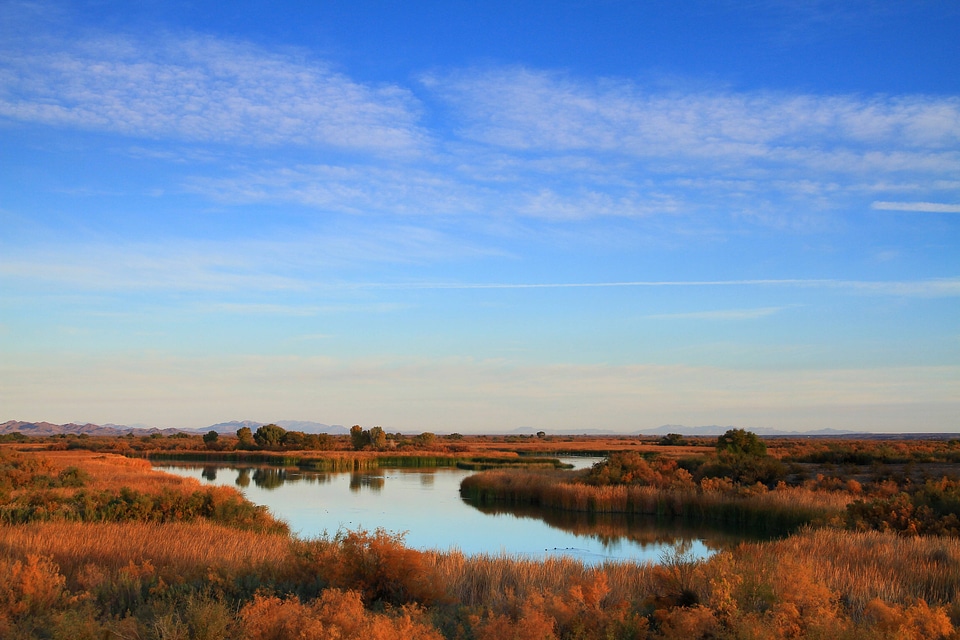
[741, 442]
[358, 437]
[210, 439]
[377, 437]
[426, 439]
[269, 436]
[673, 440]
[541, 434]
[294, 440]
[316, 441]
[245, 437]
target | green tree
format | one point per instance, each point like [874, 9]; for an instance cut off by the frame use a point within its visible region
[294, 440]
[318, 441]
[269, 436]
[210, 439]
[741, 442]
[673, 440]
[245, 438]
[358, 437]
[426, 439]
[377, 437]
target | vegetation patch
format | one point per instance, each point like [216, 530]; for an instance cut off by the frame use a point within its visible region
[157, 557]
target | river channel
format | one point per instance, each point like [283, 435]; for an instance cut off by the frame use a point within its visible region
[426, 505]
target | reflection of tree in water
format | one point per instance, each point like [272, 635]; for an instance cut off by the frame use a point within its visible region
[611, 528]
[269, 478]
[367, 480]
[317, 478]
[209, 473]
[243, 478]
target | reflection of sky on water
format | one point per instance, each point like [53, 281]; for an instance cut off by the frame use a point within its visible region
[425, 503]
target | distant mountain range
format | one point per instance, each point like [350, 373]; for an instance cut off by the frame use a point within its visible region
[529, 431]
[50, 429]
[290, 425]
[711, 430]
[716, 430]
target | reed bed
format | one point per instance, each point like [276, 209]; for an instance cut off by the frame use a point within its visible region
[865, 565]
[93, 487]
[112, 472]
[359, 460]
[499, 582]
[165, 580]
[779, 510]
[179, 551]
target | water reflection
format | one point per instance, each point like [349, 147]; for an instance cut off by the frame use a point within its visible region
[426, 504]
[269, 478]
[610, 529]
[243, 478]
[367, 480]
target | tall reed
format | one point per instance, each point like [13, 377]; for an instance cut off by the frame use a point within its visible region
[779, 510]
[179, 551]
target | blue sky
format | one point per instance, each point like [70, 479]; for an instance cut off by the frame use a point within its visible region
[476, 216]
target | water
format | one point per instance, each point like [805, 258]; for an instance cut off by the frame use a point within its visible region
[426, 504]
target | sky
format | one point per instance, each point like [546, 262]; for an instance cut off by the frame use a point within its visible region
[477, 216]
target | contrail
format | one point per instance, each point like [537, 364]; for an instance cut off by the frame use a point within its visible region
[936, 287]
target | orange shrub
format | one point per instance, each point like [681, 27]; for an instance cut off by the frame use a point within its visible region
[914, 622]
[335, 614]
[376, 564]
[530, 623]
[29, 587]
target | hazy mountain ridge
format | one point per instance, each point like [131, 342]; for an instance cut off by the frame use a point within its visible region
[306, 426]
[705, 431]
[90, 429]
[717, 430]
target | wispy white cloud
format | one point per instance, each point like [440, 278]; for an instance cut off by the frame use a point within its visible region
[203, 89]
[305, 310]
[527, 143]
[932, 288]
[924, 207]
[421, 191]
[720, 314]
[530, 109]
[278, 263]
[316, 262]
[796, 155]
[564, 148]
[351, 189]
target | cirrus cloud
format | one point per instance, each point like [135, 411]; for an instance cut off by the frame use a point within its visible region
[204, 89]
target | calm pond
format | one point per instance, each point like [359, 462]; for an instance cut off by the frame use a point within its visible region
[426, 504]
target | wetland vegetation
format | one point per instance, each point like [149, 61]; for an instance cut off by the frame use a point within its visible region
[94, 544]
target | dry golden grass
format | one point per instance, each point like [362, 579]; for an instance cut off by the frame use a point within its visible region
[498, 581]
[820, 583]
[178, 551]
[863, 566]
[782, 508]
[111, 472]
